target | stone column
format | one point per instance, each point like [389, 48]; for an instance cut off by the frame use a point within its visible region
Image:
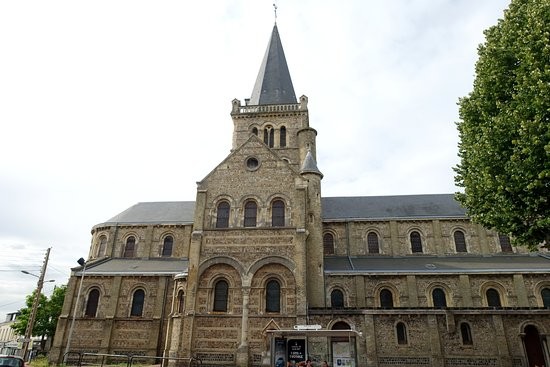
[242, 351]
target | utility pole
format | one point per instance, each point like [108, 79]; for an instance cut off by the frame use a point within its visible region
[38, 292]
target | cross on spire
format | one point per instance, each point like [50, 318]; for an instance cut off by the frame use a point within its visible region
[275, 11]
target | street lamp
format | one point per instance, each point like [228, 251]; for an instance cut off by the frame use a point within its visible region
[82, 263]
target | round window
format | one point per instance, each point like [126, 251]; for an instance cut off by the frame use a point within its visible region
[252, 163]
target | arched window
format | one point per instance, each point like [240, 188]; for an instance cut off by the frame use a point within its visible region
[282, 137]
[372, 243]
[137, 303]
[460, 241]
[269, 136]
[250, 213]
[493, 298]
[222, 215]
[130, 248]
[386, 298]
[92, 303]
[337, 299]
[504, 242]
[328, 244]
[102, 246]
[167, 246]
[416, 242]
[545, 295]
[438, 298]
[466, 334]
[255, 131]
[273, 296]
[221, 292]
[181, 301]
[278, 213]
[401, 333]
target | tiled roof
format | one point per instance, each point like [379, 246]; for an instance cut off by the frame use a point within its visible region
[273, 84]
[334, 209]
[450, 264]
[387, 207]
[142, 267]
[165, 212]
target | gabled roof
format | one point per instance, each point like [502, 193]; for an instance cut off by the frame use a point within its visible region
[392, 207]
[449, 264]
[273, 84]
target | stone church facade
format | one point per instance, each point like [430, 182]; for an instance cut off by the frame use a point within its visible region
[261, 269]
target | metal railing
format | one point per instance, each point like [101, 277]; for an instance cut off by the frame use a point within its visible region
[102, 359]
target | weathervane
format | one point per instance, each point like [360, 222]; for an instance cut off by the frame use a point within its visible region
[275, 10]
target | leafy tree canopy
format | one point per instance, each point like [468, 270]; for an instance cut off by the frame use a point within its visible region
[504, 130]
[47, 313]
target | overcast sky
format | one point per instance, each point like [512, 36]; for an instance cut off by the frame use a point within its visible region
[104, 104]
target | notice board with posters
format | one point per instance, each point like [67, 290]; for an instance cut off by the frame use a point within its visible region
[296, 350]
[342, 354]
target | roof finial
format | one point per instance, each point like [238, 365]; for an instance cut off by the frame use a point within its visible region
[275, 10]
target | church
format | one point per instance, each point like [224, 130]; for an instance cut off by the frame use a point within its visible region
[262, 270]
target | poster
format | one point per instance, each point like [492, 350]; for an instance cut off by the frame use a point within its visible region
[280, 352]
[342, 355]
[297, 350]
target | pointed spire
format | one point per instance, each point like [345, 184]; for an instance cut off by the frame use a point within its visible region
[273, 84]
[309, 165]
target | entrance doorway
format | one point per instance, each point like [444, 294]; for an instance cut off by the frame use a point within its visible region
[533, 347]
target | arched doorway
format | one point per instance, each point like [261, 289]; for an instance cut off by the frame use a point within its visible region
[342, 348]
[533, 347]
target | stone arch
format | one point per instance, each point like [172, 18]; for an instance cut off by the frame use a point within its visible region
[213, 211]
[220, 260]
[375, 230]
[389, 286]
[423, 243]
[448, 293]
[261, 273]
[501, 289]
[537, 289]
[289, 264]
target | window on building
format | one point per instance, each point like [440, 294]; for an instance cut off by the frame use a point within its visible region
[439, 299]
[545, 295]
[255, 131]
[181, 301]
[92, 303]
[137, 303]
[278, 213]
[337, 299]
[273, 296]
[167, 246]
[401, 333]
[282, 137]
[372, 243]
[416, 242]
[130, 248]
[222, 215]
[460, 241]
[386, 298]
[466, 333]
[102, 246]
[504, 242]
[221, 292]
[328, 244]
[250, 213]
[493, 298]
[269, 136]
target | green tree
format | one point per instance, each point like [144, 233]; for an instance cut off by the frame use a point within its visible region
[48, 312]
[504, 128]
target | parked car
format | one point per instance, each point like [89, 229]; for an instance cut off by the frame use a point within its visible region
[11, 361]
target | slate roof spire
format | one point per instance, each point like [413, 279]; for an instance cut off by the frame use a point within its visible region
[273, 84]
